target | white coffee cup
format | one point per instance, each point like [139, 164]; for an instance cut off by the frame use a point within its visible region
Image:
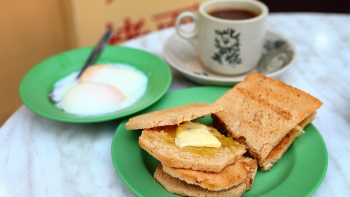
[227, 46]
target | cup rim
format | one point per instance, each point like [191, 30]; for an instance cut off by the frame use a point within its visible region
[261, 5]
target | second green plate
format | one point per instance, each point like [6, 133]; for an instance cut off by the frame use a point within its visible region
[39, 81]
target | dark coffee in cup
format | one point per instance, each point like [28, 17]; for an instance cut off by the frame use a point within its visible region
[233, 13]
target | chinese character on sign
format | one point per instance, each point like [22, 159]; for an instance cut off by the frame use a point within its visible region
[127, 31]
[108, 1]
[167, 19]
[131, 29]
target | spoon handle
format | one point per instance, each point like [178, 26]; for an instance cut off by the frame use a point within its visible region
[97, 50]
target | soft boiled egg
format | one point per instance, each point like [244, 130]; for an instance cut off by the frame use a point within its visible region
[101, 89]
[92, 99]
[129, 80]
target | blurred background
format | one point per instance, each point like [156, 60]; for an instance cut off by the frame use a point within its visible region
[32, 31]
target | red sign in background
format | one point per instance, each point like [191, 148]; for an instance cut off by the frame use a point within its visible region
[131, 29]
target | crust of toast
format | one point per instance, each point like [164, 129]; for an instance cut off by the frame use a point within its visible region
[284, 144]
[230, 176]
[261, 111]
[160, 143]
[171, 116]
[280, 149]
[177, 186]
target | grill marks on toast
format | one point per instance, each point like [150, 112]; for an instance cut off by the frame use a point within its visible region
[246, 119]
[259, 99]
[261, 111]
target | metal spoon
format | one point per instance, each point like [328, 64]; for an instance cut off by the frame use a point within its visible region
[92, 58]
[97, 51]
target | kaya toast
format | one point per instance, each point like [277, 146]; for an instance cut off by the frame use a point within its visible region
[158, 139]
[231, 176]
[194, 163]
[266, 115]
[177, 186]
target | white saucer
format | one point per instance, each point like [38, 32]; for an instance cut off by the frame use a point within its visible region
[278, 55]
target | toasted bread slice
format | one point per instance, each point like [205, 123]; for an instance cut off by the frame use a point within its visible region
[261, 111]
[177, 186]
[284, 144]
[230, 176]
[171, 116]
[160, 143]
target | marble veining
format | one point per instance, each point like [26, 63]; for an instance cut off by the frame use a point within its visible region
[43, 157]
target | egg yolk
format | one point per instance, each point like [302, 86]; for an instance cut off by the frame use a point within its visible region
[91, 99]
[130, 81]
[90, 72]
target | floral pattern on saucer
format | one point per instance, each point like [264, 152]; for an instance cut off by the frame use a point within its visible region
[277, 54]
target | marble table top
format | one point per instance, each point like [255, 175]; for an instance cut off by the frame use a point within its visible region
[43, 157]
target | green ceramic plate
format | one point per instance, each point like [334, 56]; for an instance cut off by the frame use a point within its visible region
[39, 81]
[299, 172]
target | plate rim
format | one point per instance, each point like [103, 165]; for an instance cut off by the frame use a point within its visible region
[25, 81]
[223, 79]
[114, 143]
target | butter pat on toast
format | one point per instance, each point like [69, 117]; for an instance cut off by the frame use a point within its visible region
[160, 143]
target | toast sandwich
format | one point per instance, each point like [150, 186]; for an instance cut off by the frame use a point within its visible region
[209, 184]
[205, 169]
[159, 133]
[266, 115]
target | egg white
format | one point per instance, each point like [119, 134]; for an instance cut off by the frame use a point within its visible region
[91, 99]
[132, 82]
[72, 98]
